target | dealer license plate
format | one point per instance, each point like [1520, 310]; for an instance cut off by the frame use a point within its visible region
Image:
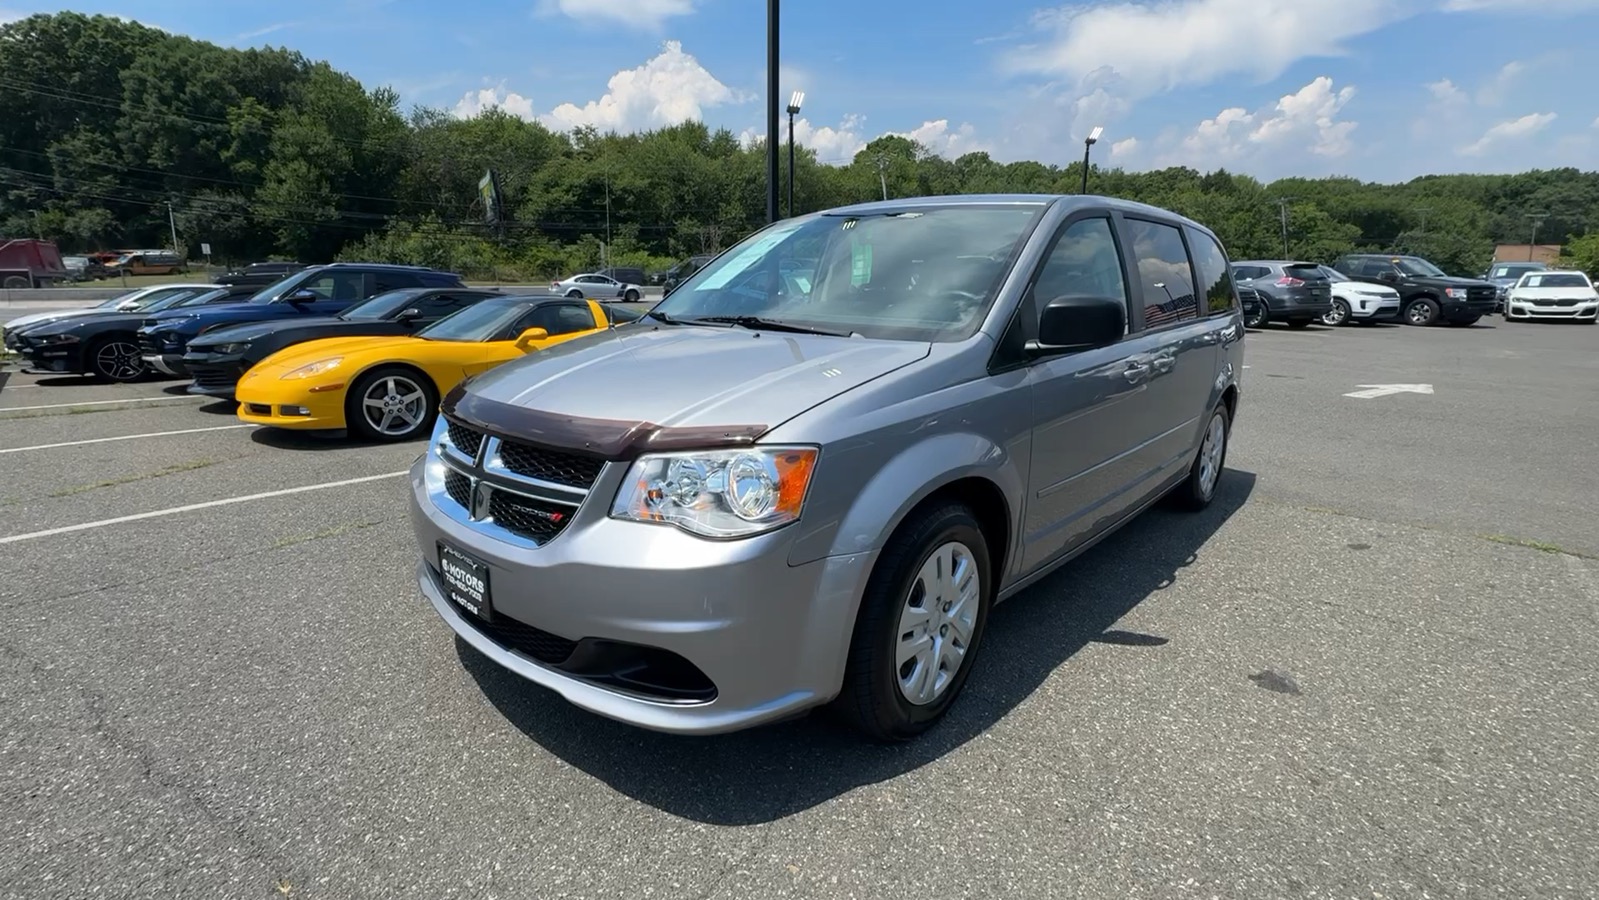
[466, 581]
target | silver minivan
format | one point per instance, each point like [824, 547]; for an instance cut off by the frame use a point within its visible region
[809, 473]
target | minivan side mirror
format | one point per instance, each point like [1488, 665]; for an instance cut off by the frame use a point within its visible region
[527, 338]
[1079, 322]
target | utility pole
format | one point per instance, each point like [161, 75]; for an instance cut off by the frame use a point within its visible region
[1282, 210]
[605, 254]
[882, 173]
[1532, 244]
[771, 111]
[173, 223]
[1423, 211]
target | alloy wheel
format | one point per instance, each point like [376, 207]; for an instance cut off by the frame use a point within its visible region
[1211, 453]
[118, 361]
[1338, 315]
[937, 623]
[394, 405]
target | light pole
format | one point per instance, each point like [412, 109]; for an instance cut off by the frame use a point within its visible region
[793, 110]
[1088, 144]
[771, 111]
[172, 222]
[1536, 219]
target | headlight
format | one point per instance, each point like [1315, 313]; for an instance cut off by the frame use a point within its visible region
[229, 349]
[58, 339]
[1455, 293]
[720, 494]
[313, 369]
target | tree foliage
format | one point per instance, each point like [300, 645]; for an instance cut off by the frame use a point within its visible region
[108, 127]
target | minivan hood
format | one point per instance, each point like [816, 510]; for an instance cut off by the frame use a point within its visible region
[622, 384]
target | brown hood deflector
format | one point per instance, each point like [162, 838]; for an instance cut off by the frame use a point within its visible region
[614, 439]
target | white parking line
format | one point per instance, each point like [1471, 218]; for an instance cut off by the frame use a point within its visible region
[154, 514]
[6, 409]
[125, 437]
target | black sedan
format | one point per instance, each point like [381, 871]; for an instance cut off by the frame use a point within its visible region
[217, 359]
[105, 344]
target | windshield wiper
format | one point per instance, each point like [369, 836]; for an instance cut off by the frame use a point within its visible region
[663, 318]
[757, 322]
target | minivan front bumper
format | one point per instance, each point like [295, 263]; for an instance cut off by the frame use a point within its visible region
[770, 639]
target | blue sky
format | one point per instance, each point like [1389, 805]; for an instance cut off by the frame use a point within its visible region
[1378, 89]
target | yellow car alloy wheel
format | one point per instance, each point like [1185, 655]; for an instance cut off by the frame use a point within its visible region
[391, 403]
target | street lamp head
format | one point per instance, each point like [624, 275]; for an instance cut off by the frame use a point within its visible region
[1093, 136]
[795, 102]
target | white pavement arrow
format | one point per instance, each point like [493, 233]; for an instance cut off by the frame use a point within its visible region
[1383, 390]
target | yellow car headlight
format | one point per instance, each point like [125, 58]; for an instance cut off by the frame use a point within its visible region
[313, 369]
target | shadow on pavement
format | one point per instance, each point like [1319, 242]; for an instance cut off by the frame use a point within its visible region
[768, 773]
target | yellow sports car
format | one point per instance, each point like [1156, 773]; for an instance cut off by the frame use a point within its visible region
[388, 388]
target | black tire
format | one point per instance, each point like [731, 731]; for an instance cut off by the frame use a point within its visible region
[1196, 491]
[1421, 312]
[1258, 318]
[17, 283]
[872, 700]
[631, 296]
[115, 359]
[1338, 315]
[574, 294]
[1299, 323]
[404, 380]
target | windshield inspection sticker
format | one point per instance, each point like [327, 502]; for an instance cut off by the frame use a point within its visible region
[746, 258]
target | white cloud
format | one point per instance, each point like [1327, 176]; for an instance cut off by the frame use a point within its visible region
[1446, 92]
[475, 102]
[7, 16]
[647, 14]
[833, 146]
[1156, 46]
[1304, 120]
[1511, 130]
[1521, 7]
[939, 137]
[1125, 148]
[1492, 93]
[670, 88]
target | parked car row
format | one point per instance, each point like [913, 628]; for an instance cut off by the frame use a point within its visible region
[1363, 288]
[327, 347]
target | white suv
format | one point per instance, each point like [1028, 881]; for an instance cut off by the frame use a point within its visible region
[1359, 301]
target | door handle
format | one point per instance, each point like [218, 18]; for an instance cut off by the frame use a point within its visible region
[1136, 371]
[1164, 364]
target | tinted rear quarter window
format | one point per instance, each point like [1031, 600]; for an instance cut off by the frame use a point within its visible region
[1210, 264]
[1165, 272]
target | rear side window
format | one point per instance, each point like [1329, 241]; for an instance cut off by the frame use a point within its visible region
[393, 281]
[1165, 272]
[1210, 263]
[1305, 272]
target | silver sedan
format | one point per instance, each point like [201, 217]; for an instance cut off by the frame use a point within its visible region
[590, 286]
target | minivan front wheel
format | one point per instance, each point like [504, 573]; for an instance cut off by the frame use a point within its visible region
[920, 625]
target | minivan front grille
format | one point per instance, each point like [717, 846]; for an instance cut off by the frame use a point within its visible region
[537, 521]
[554, 466]
[464, 439]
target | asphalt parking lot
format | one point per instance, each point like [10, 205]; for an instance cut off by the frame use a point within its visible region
[1366, 671]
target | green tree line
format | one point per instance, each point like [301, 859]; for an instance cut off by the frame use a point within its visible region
[111, 132]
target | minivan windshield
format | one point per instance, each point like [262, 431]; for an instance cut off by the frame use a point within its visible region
[1411, 265]
[927, 274]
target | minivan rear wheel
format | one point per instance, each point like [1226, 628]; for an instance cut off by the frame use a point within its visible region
[920, 625]
[1199, 488]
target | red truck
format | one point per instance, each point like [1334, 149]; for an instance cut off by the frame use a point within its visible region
[27, 263]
